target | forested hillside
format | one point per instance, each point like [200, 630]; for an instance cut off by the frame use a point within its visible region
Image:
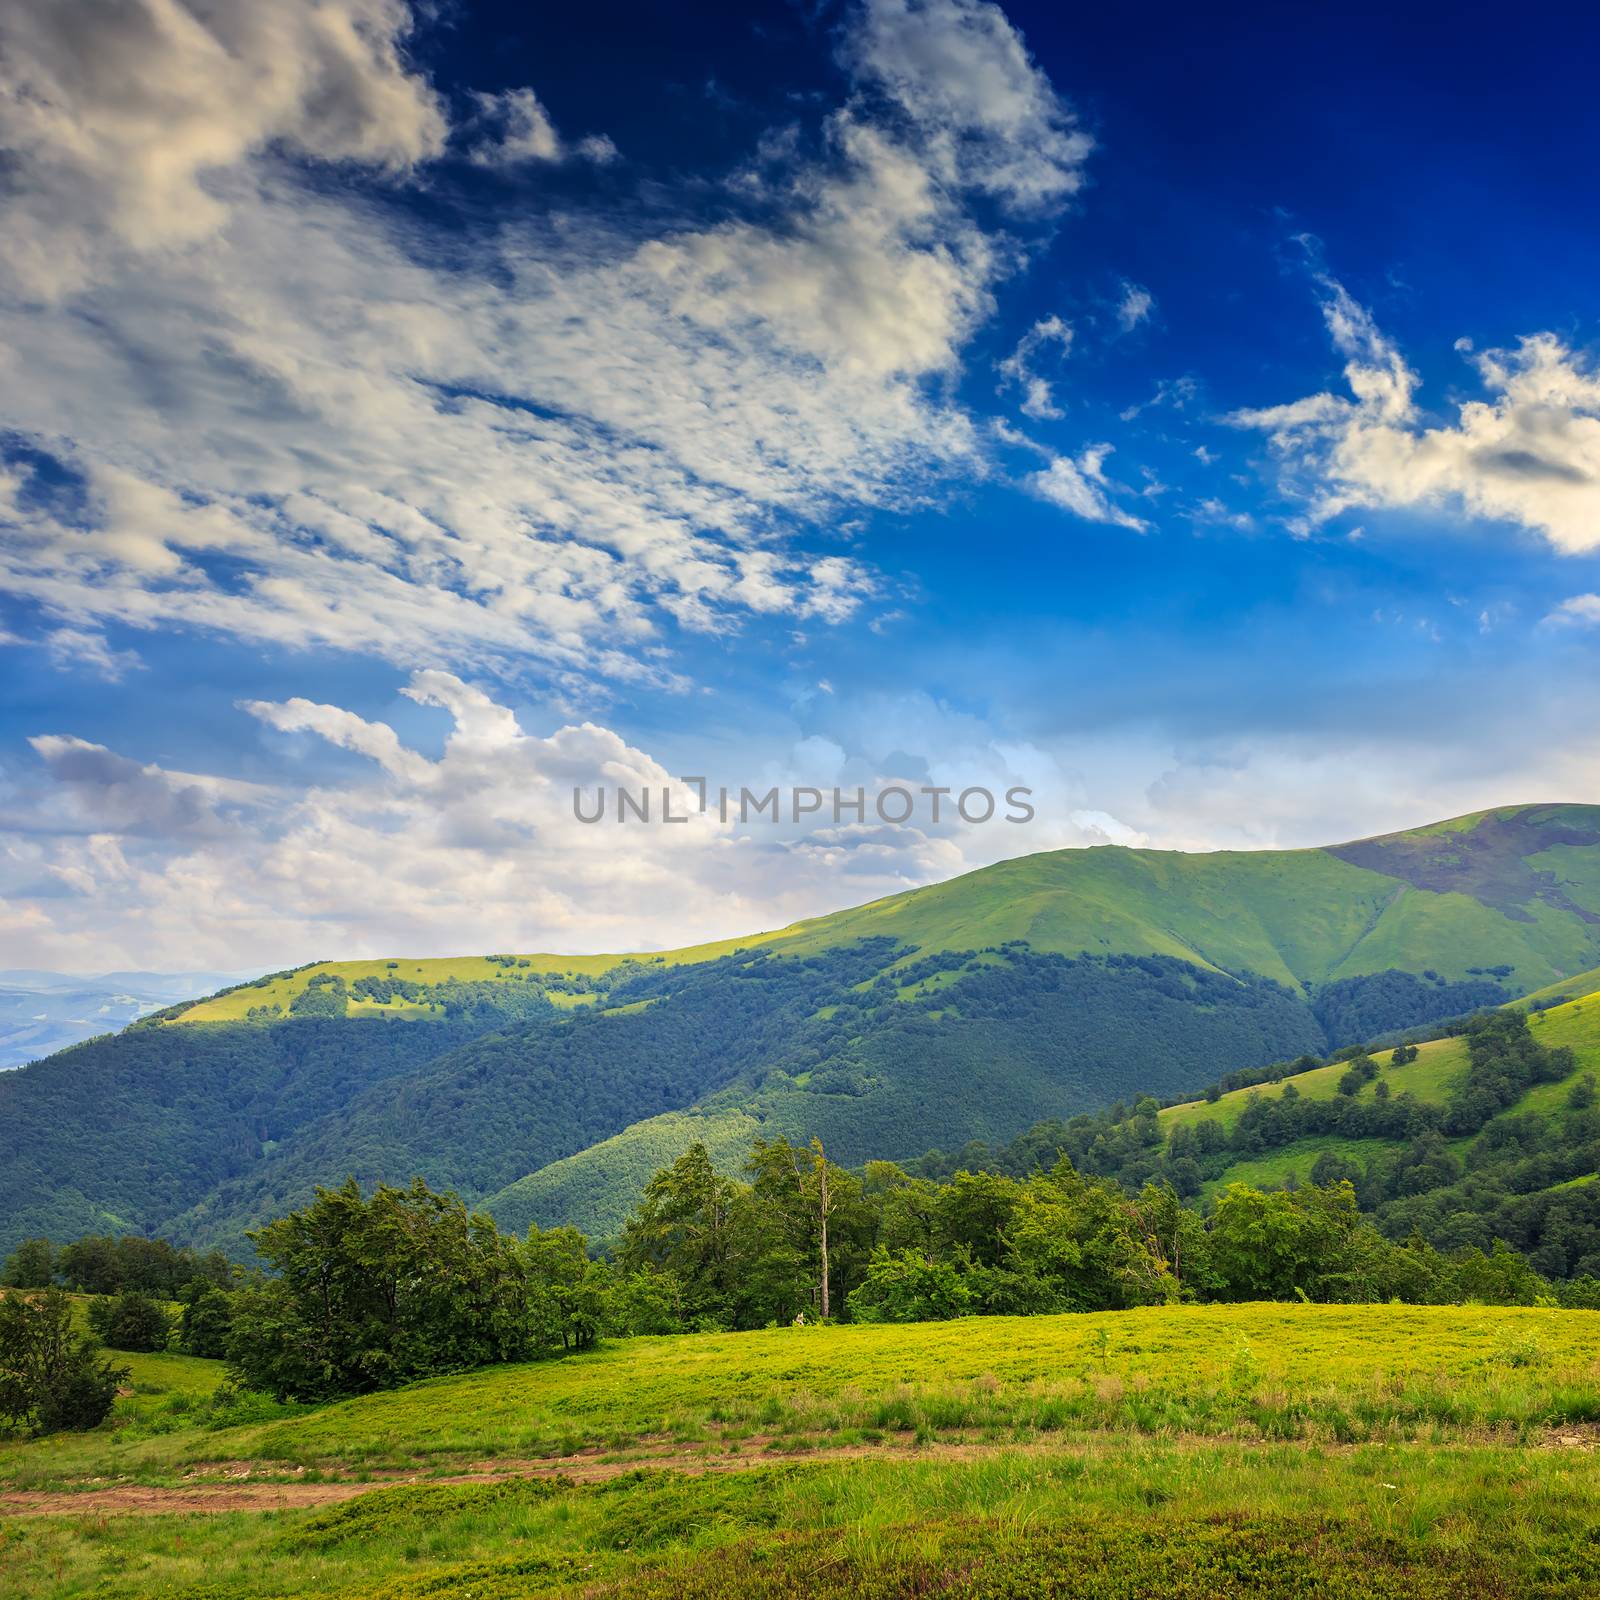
[551, 1088]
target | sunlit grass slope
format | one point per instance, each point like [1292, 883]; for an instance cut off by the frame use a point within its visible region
[1297, 916]
[1111, 1522]
[1438, 1067]
[1205, 1451]
[1252, 1371]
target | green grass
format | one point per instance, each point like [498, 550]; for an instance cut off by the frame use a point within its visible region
[1111, 1522]
[1274, 1169]
[1431, 1077]
[1291, 915]
[1330, 1373]
[1438, 1067]
[1261, 1450]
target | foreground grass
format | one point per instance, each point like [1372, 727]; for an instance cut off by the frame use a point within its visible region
[1334, 1374]
[1115, 1518]
[1258, 1450]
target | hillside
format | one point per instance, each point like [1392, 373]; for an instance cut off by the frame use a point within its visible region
[1380, 1451]
[1476, 1137]
[550, 1086]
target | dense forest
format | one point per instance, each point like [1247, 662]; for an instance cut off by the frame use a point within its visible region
[1524, 1180]
[354, 1291]
[202, 1130]
[359, 1292]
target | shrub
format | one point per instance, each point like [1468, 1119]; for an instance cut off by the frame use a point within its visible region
[130, 1321]
[51, 1378]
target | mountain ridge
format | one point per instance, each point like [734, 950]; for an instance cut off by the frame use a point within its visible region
[1032, 988]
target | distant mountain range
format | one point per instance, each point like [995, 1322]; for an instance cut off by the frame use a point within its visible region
[547, 1088]
[42, 1012]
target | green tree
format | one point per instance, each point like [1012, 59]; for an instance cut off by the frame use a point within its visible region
[569, 1296]
[374, 1293]
[910, 1286]
[130, 1321]
[205, 1322]
[684, 1226]
[51, 1377]
[32, 1265]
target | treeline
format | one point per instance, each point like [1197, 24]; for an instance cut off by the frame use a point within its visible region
[1507, 1184]
[360, 1293]
[102, 1265]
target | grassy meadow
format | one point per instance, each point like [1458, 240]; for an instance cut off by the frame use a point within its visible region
[1211, 1450]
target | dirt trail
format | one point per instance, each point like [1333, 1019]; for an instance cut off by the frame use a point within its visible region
[225, 1486]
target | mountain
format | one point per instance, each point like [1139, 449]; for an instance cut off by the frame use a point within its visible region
[549, 1087]
[42, 1012]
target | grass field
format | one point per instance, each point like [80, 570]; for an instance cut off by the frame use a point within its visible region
[1224, 1450]
[1438, 1068]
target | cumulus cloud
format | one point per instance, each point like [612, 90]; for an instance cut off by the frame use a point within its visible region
[116, 116]
[513, 127]
[1038, 397]
[477, 846]
[1528, 455]
[274, 408]
[1580, 608]
[1081, 486]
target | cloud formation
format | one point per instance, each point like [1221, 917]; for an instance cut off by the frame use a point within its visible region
[272, 407]
[1038, 396]
[1082, 487]
[1528, 455]
[124, 862]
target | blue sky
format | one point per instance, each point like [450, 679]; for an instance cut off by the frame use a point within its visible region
[407, 416]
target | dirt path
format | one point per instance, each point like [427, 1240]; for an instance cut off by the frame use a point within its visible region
[226, 1486]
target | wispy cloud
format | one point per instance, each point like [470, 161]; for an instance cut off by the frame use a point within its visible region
[281, 412]
[1528, 454]
[1016, 370]
[1135, 306]
[1081, 486]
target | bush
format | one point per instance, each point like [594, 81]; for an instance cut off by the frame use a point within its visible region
[207, 1317]
[130, 1321]
[51, 1378]
[32, 1265]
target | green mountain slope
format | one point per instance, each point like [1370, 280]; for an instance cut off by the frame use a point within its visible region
[551, 1086]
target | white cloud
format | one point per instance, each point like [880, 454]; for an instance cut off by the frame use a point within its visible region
[287, 416]
[1081, 487]
[1135, 306]
[1580, 608]
[1038, 398]
[116, 116]
[79, 650]
[1528, 455]
[987, 115]
[513, 127]
[119, 861]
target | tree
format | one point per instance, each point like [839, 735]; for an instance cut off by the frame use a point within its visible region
[130, 1321]
[911, 1287]
[569, 1295]
[684, 1226]
[51, 1378]
[205, 1323]
[1273, 1246]
[32, 1265]
[374, 1293]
